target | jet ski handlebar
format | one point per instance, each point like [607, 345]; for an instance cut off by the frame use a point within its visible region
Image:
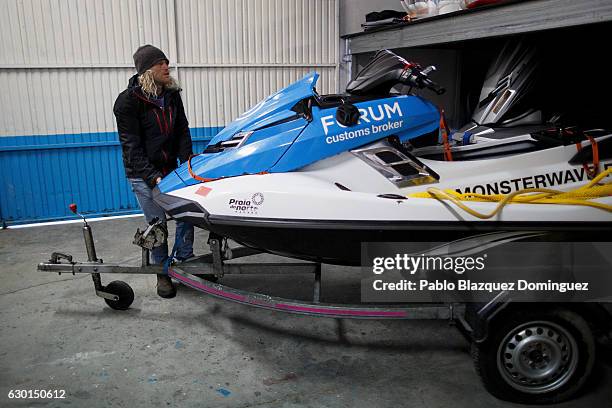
[434, 87]
[414, 75]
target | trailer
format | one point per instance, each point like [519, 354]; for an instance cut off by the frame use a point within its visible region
[523, 352]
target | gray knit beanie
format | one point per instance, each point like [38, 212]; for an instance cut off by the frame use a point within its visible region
[146, 56]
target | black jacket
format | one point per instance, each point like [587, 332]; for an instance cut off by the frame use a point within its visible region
[152, 138]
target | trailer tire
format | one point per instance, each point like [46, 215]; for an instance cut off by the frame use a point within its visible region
[125, 293]
[536, 356]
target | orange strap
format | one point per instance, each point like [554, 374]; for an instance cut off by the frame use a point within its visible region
[204, 179]
[448, 155]
[195, 176]
[591, 172]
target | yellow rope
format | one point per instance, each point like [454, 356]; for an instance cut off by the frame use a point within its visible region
[579, 196]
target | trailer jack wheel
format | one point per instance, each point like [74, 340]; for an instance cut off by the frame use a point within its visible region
[536, 356]
[123, 291]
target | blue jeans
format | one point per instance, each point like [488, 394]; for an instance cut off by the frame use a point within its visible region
[144, 195]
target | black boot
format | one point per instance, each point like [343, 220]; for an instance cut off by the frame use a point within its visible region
[165, 287]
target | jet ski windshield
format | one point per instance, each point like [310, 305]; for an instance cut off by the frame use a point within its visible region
[379, 75]
[385, 70]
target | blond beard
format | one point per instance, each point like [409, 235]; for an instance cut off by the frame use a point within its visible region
[151, 88]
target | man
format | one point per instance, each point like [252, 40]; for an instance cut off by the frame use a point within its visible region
[154, 133]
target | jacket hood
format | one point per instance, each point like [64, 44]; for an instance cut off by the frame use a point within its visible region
[133, 82]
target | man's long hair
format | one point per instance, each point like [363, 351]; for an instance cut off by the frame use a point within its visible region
[150, 88]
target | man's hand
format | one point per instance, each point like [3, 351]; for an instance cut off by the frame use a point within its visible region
[158, 180]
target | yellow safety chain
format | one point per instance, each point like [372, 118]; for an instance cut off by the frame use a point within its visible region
[578, 196]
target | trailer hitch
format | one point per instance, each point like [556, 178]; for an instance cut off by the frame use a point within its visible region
[56, 258]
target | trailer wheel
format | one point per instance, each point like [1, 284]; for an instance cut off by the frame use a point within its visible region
[125, 293]
[536, 357]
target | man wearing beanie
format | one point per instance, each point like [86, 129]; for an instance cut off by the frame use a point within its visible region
[154, 135]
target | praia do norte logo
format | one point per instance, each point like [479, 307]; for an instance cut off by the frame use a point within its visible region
[388, 114]
[257, 198]
[246, 206]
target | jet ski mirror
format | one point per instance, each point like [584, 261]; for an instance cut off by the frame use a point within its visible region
[347, 114]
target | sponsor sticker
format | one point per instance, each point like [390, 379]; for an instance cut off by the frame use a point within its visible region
[545, 180]
[246, 205]
[380, 118]
[203, 191]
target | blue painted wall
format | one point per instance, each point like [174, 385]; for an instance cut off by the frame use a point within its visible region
[41, 175]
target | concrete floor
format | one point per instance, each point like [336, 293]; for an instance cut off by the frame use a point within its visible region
[195, 350]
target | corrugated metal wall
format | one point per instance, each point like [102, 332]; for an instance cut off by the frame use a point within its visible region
[62, 63]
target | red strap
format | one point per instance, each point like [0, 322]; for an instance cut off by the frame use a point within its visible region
[591, 172]
[195, 176]
[204, 179]
[448, 155]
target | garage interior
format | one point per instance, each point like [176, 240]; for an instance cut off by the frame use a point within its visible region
[196, 350]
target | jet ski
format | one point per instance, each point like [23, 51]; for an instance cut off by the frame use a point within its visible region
[314, 176]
